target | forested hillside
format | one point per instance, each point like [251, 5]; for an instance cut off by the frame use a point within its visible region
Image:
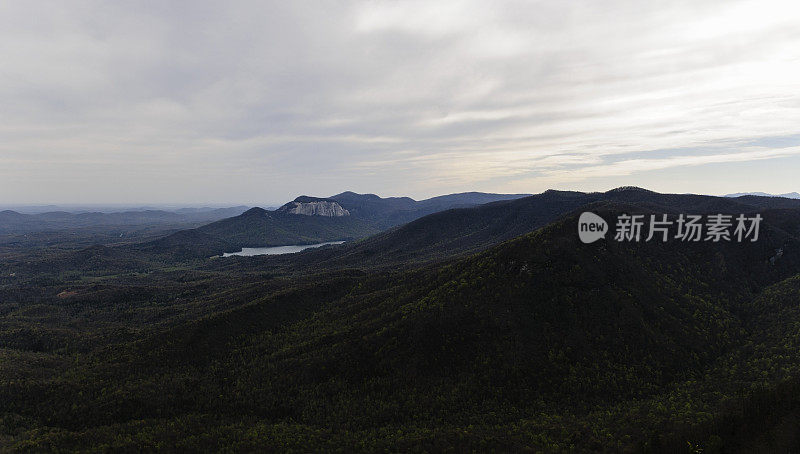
[537, 343]
[258, 228]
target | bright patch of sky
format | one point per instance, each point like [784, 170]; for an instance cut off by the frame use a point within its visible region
[257, 102]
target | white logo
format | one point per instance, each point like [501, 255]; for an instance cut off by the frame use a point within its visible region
[591, 227]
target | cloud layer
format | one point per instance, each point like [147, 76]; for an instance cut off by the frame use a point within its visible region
[259, 101]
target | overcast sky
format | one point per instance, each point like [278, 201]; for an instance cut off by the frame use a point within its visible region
[258, 102]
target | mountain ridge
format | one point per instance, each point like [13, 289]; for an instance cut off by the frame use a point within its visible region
[788, 195]
[462, 231]
[344, 217]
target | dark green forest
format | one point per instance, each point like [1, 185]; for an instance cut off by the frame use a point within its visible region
[481, 329]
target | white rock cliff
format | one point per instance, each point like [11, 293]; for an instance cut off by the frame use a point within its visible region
[316, 208]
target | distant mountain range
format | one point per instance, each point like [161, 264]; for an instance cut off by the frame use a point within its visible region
[309, 220]
[788, 195]
[431, 229]
[395, 230]
[79, 209]
[15, 222]
[392, 211]
[446, 234]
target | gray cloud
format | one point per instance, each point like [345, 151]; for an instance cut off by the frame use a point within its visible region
[259, 101]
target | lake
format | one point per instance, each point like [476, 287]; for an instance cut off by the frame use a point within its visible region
[277, 250]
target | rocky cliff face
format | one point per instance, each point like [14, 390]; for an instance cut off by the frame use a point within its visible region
[315, 208]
